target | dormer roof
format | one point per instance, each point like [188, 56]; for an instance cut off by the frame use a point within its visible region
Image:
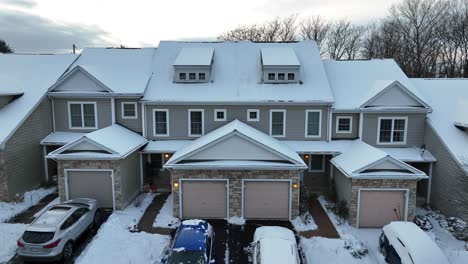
[279, 57]
[195, 56]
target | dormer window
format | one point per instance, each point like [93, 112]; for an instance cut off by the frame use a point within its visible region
[193, 65]
[280, 65]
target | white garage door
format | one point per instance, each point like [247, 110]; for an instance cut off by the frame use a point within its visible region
[204, 199]
[378, 208]
[266, 200]
[91, 184]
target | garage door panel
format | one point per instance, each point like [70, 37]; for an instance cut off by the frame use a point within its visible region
[204, 199]
[266, 200]
[91, 184]
[378, 208]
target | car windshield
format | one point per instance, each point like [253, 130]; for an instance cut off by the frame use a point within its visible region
[187, 257]
[37, 237]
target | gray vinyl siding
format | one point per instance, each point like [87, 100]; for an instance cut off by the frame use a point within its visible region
[415, 130]
[449, 184]
[24, 159]
[130, 178]
[343, 186]
[178, 120]
[132, 124]
[104, 113]
[355, 126]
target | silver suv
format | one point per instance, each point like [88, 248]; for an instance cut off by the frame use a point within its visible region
[50, 237]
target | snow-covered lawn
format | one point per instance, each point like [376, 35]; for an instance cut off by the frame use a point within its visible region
[115, 244]
[304, 222]
[9, 210]
[165, 217]
[9, 235]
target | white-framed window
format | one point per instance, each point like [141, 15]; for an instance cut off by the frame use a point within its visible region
[278, 122]
[253, 115]
[129, 110]
[344, 124]
[313, 123]
[201, 76]
[392, 130]
[220, 115]
[271, 76]
[281, 76]
[196, 122]
[192, 76]
[317, 163]
[160, 122]
[82, 115]
[291, 76]
[182, 76]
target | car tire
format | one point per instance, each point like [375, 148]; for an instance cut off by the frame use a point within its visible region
[67, 251]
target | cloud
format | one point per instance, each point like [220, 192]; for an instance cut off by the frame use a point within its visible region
[26, 32]
[19, 3]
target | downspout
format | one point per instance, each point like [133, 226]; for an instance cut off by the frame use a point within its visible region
[143, 119]
[429, 184]
[113, 109]
[329, 129]
[46, 166]
[361, 121]
[53, 112]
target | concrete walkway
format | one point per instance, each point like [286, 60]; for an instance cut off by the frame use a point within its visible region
[325, 226]
[147, 220]
[27, 216]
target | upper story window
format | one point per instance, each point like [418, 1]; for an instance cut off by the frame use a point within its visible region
[182, 76]
[160, 122]
[281, 76]
[129, 110]
[313, 123]
[220, 115]
[253, 115]
[278, 123]
[196, 122]
[344, 124]
[201, 76]
[192, 76]
[271, 76]
[291, 76]
[82, 115]
[392, 130]
[193, 65]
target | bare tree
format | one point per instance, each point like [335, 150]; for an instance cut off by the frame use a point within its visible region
[314, 28]
[4, 48]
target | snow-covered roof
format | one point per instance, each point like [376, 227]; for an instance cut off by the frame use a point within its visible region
[194, 56]
[319, 147]
[361, 157]
[113, 142]
[237, 75]
[165, 146]
[356, 82]
[408, 238]
[61, 138]
[122, 71]
[257, 137]
[10, 93]
[30, 75]
[449, 100]
[411, 154]
[279, 57]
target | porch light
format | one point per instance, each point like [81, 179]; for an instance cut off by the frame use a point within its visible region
[295, 186]
[167, 155]
[176, 185]
[306, 156]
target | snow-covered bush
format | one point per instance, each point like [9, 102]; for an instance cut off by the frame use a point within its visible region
[355, 247]
[423, 222]
[340, 209]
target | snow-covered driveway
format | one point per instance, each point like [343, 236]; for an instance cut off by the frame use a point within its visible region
[115, 244]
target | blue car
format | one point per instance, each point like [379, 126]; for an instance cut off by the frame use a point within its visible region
[193, 243]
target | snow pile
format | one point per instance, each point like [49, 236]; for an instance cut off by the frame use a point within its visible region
[9, 210]
[236, 220]
[423, 222]
[165, 218]
[456, 226]
[115, 244]
[304, 222]
[319, 250]
[10, 234]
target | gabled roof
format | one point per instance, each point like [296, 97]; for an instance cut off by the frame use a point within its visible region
[194, 56]
[279, 57]
[449, 100]
[362, 160]
[28, 77]
[61, 138]
[121, 71]
[266, 151]
[237, 76]
[112, 142]
[351, 81]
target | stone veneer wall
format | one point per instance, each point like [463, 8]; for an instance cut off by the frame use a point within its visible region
[91, 164]
[381, 184]
[235, 185]
[3, 179]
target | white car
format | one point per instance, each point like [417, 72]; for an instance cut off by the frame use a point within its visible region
[51, 236]
[406, 243]
[275, 245]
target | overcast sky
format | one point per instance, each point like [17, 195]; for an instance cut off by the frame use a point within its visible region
[54, 25]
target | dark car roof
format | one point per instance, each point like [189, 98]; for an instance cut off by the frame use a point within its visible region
[192, 237]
